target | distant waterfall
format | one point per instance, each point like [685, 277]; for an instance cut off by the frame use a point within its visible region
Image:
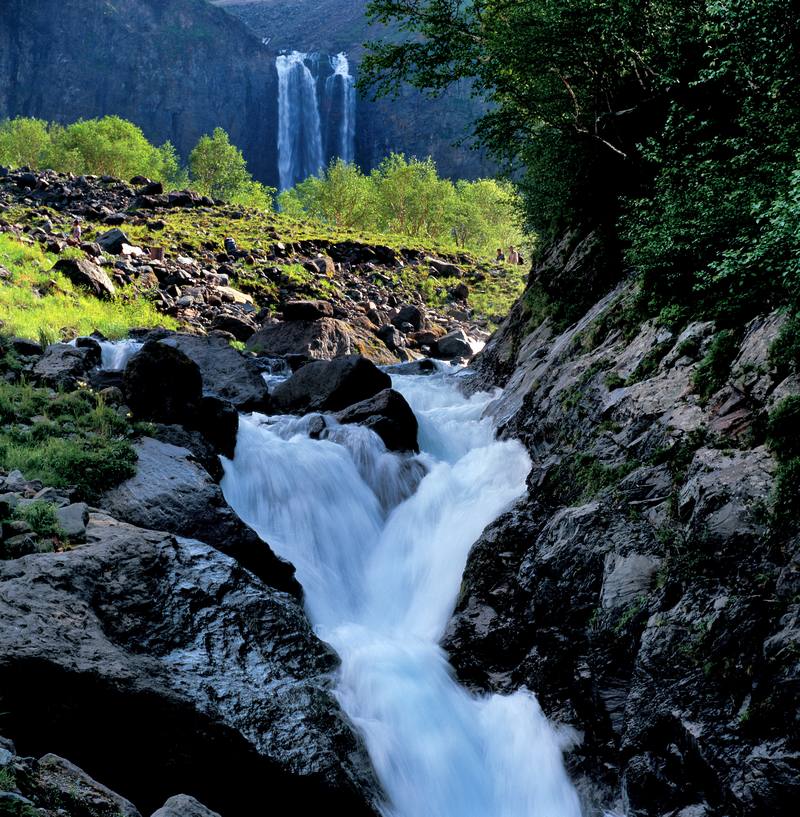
[299, 129]
[340, 87]
[316, 114]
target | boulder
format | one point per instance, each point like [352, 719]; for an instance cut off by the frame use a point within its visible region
[237, 325]
[26, 347]
[172, 492]
[443, 269]
[324, 385]
[62, 785]
[307, 310]
[322, 339]
[162, 384]
[389, 416]
[87, 275]
[181, 805]
[410, 314]
[63, 365]
[226, 373]
[112, 241]
[72, 521]
[454, 344]
[160, 665]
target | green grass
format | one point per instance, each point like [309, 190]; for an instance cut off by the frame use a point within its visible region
[38, 302]
[64, 439]
[41, 516]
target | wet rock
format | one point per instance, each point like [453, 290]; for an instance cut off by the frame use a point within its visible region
[63, 365]
[409, 314]
[389, 416]
[415, 367]
[172, 492]
[330, 385]
[181, 805]
[215, 679]
[454, 344]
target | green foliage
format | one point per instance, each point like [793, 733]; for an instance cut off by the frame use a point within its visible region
[25, 142]
[64, 439]
[41, 516]
[784, 354]
[219, 169]
[581, 476]
[40, 303]
[407, 198]
[7, 780]
[783, 428]
[713, 370]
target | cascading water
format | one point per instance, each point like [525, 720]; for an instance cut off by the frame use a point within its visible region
[299, 129]
[380, 541]
[340, 88]
[316, 114]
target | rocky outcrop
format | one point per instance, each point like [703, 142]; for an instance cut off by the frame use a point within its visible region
[86, 275]
[64, 366]
[159, 665]
[636, 588]
[172, 492]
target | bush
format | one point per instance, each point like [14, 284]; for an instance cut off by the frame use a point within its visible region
[41, 516]
[783, 428]
[713, 370]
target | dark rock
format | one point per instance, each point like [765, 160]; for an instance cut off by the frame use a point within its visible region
[162, 384]
[59, 784]
[63, 366]
[72, 520]
[172, 492]
[214, 679]
[237, 325]
[330, 385]
[25, 347]
[391, 336]
[460, 292]
[415, 367]
[443, 269]
[150, 189]
[410, 314]
[454, 344]
[225, 372]
[112, 241]
[307, 310]
[181, 805]
[389, 416]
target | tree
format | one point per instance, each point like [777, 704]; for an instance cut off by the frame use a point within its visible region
[218, 168]
[24, 142]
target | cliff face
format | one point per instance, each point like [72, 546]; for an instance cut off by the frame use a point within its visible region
[642, 588]
[178, 68]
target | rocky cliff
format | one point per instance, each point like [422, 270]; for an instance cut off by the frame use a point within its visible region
[177, 68]
[646, 587]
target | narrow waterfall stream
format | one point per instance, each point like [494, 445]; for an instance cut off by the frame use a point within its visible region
[380, 541]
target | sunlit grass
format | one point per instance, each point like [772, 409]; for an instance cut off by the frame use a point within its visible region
[38, 302]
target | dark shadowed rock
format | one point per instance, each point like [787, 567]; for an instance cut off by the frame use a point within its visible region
[237, 325]
[389, 416]
[443, 269]
[307, 310]
[454, 344]
[330, 385]
[63, 365]
[112, 241]
[415, 367]
[172, 492]
[163, 384]
[410, 314]
[26, 347]
[159, 665]
[181, 805]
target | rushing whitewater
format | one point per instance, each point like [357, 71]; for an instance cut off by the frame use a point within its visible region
[380, 541]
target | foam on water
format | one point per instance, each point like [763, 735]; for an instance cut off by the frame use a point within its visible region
[380, 541]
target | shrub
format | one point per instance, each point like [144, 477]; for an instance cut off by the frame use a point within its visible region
[713, 370]
[783, 428]
[41, 516]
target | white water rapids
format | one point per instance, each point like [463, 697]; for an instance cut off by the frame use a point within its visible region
[380, 553]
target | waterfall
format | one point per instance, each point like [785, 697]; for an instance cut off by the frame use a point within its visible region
[316, 114]
[299, 129]
[341, 89]
[380, 541]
